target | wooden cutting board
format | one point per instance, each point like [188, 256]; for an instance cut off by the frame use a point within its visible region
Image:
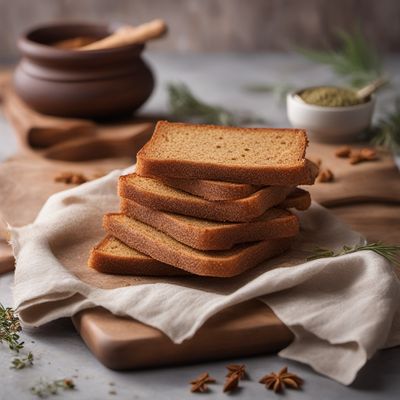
[246, 329]
[71, 139]
[374, 181]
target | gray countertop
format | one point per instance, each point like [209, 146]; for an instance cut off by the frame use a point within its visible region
[60, 353]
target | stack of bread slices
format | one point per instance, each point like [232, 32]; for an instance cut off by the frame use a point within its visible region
[207, 200]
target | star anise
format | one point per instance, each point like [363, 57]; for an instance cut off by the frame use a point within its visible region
[200, 383]
[236, 369]
[278, 381]
[231, 383]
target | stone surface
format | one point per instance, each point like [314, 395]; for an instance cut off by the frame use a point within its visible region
[60, 353]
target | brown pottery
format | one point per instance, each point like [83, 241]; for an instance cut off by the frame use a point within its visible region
[93, 84]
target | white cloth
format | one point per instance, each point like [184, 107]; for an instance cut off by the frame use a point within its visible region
[341, 310]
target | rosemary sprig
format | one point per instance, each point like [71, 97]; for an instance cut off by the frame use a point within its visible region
[23, 362]
[186, 106]
[10, 327]
[45, 389]
[387, 131]
[356, 59]
[278, 90]
[390, 252]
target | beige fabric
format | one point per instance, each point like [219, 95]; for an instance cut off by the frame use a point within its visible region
[341, 310]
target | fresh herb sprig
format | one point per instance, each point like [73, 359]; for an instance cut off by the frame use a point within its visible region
[386, 133]
[186, 106]
[10, 327]
[45, 389]
[356, 59]
[278, 90]
[390, 252]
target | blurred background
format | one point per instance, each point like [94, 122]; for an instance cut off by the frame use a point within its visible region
[218, 25]
[233, 62]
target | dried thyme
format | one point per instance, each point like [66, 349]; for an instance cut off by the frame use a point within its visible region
[10, 327]
[45, 389]
[389, 252]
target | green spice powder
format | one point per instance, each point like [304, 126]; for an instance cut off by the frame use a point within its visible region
[330, 96]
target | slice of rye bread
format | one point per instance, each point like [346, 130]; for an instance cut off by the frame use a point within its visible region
[257, 156]
[158, 245]
[155, 194]
[111, 256]
[212, 190]
[299, 199]
[219, 190]
[209, 235]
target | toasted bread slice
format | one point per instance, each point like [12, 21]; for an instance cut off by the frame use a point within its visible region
[155, 194]
[209, 235]
[257, 156]
[299, 199]
[111, 256]
[212, 190]
[164, 248]
[219, 190]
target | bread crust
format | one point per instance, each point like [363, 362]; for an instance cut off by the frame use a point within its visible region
[296, 174]
[142, 265]
[272, 224]
[221, 264]
[299, 199]
[240, 210]
[212, 190]
[262, 176]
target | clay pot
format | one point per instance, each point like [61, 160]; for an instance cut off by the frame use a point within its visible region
[80, 84]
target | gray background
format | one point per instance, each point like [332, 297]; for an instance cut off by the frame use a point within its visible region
[218, 25]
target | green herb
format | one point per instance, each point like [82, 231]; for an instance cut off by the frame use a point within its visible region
[21, 363]
[45, 389]
[185, 105]
[278, 90]
[387, 131]
[10, 327]
[357, 60]
[390, 252]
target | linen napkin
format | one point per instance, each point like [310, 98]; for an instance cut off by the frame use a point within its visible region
[341, 310]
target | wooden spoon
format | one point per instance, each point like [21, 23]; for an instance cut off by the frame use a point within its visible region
[364, 93]
[127, 35]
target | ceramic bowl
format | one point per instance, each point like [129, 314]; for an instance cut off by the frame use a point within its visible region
[329, 124]
[82, 84]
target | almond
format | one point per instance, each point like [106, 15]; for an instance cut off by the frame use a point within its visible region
[368, 154]
[343, 152]
[356, 157]
[325, 175]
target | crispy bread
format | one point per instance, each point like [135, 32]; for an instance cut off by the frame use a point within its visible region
[299, 199]
[209, 235]
[212, 190]
[257, 156]
[162, 247]
[111, 256]
[155, 194]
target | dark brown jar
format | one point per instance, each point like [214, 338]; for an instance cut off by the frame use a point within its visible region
[80, 84]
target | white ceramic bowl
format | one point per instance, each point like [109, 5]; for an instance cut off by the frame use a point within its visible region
[329, 124]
